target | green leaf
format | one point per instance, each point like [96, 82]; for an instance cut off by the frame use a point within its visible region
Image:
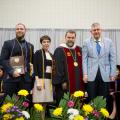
[8, 99]
[98, 102]
[66, 96]
[35, 115]
[64, 100]
[14, 97]
[63, 103]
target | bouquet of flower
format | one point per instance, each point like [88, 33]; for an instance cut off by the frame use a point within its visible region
[73, 107]
[17, 108]
[36, 112]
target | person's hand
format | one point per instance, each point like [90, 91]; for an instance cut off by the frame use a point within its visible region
[86, 94]
[39, 87]
[16, 74]
[85, 78]
[112, 78]
[39, 84]
[31, 69]
[64, 85]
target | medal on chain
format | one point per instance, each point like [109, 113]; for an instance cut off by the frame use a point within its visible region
[74, 58]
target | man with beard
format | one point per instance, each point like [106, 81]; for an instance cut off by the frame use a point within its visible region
[68, 64]
[99, 63]
[18, 48]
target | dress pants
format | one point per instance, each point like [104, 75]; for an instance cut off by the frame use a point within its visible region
[97, 87]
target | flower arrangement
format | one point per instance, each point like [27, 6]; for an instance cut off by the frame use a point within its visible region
[73, 107]
[17, 108]
[36, 112]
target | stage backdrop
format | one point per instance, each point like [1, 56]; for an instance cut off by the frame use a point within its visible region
[57, 36]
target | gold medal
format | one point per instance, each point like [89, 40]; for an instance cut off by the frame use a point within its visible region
[75, 64]
[74, 58]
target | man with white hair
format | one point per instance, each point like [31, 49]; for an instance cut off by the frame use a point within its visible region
[99, 63]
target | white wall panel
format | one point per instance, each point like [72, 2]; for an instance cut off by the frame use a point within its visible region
[79, 14]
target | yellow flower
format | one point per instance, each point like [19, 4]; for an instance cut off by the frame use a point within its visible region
[104, 112]
[78, 117]
[87, 108]
[78, 94]
[20, 118]
[23, 92]
[6, 106]
[7, 117]
[38, 107]
[57, 112]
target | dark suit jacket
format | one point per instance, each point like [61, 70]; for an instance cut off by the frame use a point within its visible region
[12, 48]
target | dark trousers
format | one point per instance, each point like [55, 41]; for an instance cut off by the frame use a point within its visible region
[97, 87]
[11, 88]
[59, 93]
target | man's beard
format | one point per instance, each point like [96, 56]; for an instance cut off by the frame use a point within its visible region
[97, 37]
[70, 43]
[20, 37]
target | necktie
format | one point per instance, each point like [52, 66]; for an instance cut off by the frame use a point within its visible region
[98, 47]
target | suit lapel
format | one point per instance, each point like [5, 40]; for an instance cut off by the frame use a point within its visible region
[93, 44]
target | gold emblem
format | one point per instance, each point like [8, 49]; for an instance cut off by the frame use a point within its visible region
[16, 60]
[75, 64]
[68, 54]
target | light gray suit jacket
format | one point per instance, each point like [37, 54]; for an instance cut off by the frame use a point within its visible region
[106, 60]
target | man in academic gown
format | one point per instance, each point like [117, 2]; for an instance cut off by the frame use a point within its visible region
[68, 64]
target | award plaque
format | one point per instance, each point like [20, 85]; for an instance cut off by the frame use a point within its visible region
[17, 63]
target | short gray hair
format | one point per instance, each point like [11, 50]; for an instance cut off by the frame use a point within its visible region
[95, 24]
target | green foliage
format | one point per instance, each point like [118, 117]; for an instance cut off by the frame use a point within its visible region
[98, 102]
[35, 115]
[10, 99]
[64, 100]
[20, 104]
[91, 111]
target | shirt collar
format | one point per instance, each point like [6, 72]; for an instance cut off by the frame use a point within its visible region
[21, 40]
[64, 45]
[99, 40]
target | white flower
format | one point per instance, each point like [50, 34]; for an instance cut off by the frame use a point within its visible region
[26, 114]
[73, 111]
[71, 117]
[70, 111]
